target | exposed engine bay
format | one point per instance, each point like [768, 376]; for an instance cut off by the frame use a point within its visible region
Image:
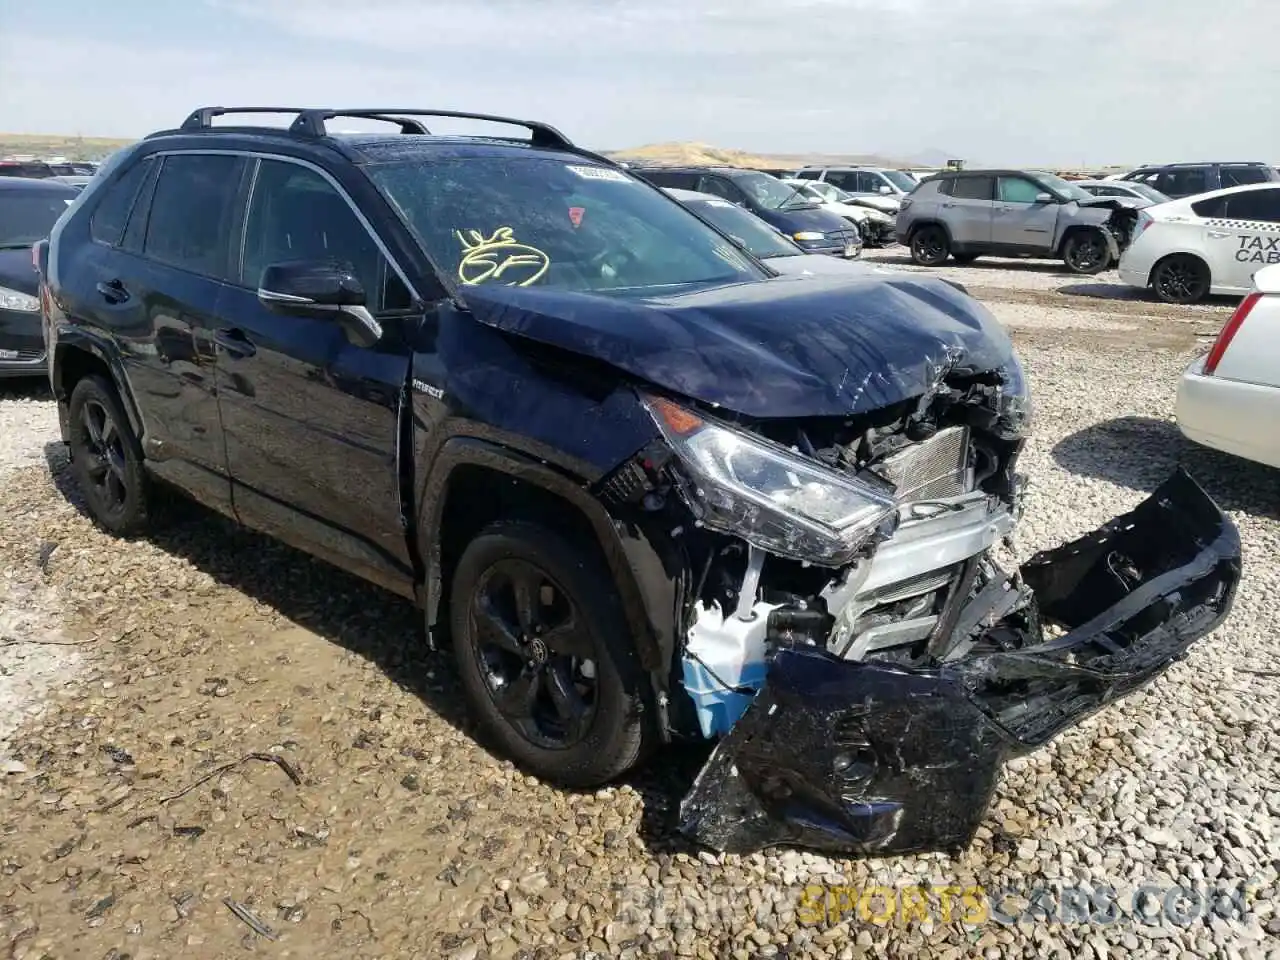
[864, 699]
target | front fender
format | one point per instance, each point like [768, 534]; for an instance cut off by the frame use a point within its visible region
[645, 586]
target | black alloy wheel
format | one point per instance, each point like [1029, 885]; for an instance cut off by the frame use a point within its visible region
[1086, 253]
[1181, 279]
[929, 246]
[106, 458]
[547, 658]
[539, 661]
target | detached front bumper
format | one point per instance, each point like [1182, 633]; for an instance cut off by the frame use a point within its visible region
[866, 758]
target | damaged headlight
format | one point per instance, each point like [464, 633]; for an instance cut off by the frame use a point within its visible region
[1013, 406]
[779, 501]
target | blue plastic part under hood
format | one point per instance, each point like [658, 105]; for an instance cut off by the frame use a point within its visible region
[782, 347]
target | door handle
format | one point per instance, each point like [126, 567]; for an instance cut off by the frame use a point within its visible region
[235, 342]
[113, 291]
[948, 205]
[1219, 234]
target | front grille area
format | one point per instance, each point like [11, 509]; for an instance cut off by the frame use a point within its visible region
[934, 468]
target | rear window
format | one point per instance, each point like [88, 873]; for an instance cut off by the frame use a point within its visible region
[108, 221]
[973, 188]
[1240, 175]
[189, 225]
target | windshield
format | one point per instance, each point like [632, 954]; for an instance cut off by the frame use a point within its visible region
[902, 181]
[1151, 193]
[1063, 188]
[28, 216]
[827, 191]
[535, 221]
[771, 193]
[748, 230]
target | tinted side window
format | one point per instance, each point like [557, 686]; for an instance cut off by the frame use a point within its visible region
[973, 188]
[670, 178]
[191, 212]
[112, 214]
[1240, 175]
[946, 185]
[844, 180]
[720, 187]
[1255, 205]
[808, 174]
[296, 214]
[1183, 181]
[1213, 207]
[1019, 190]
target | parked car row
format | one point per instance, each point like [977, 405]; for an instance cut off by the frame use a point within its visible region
[46, 169]
[733, 502]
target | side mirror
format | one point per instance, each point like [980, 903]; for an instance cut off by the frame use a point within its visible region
[1045, 198]
[885, 191]
[320, 289]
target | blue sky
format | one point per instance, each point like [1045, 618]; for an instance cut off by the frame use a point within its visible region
[994, 81]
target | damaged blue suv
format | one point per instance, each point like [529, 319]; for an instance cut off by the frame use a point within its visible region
[645, 487]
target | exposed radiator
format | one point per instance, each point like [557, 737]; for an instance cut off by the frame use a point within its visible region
[933, 468]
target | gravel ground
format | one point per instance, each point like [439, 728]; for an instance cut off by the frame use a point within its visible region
[404, 836]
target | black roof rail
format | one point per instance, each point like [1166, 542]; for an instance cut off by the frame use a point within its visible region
[311, 122]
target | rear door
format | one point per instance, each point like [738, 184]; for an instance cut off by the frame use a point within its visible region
[149, 280]
[1242, 235]
[311, 419]
[1019, 220]
[967, 210]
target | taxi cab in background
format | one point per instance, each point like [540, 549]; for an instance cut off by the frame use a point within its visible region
[1213, 243]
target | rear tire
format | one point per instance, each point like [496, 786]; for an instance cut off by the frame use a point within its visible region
[106, 459]
[1181, 278]
[930, 246]
[555, 680]
[1086, 253]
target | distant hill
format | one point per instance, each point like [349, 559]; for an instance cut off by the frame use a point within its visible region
[703, 154]
[73, 148]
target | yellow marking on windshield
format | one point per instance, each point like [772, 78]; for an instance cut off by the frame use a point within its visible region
[489, 258]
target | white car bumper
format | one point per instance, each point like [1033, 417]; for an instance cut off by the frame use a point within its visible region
[1228, 415]
[1132, 273]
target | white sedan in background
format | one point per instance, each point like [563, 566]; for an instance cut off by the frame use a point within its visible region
[876, 226]
[1212, 243]
[1229, 399]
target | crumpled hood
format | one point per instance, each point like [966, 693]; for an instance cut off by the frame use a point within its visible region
[783, 347]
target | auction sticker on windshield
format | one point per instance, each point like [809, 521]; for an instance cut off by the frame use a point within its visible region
[598, 173]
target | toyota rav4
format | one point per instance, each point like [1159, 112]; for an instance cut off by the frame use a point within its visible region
[644, 486]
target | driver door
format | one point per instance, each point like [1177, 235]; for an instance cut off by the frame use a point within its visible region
[1019, 220]
[311, 419]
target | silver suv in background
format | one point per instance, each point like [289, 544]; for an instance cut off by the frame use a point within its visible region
[1013, 213]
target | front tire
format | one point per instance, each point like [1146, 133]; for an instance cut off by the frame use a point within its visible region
[106, 459]
[930, 246]
[1181, 279]
[1086, 253]
[546, 657]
